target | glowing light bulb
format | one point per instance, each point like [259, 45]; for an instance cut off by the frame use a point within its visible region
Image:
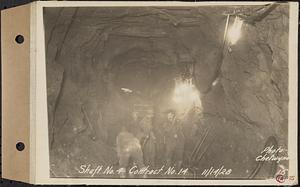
[185, 94]
[234, 32]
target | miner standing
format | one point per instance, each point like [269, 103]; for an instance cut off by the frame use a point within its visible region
[173, 140]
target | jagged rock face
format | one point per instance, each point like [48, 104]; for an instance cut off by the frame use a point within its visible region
[94, 52]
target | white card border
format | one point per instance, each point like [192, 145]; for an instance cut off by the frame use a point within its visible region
[39, 127]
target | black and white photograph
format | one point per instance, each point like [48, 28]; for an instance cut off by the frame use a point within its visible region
[168, 92]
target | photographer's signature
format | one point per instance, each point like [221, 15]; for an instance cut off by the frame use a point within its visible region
[272, 154]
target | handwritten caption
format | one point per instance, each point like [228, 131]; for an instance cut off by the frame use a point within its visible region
[215, 172]
[92, 171]
[272, 154]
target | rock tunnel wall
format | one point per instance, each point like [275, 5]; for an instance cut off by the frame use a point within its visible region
[93, 52]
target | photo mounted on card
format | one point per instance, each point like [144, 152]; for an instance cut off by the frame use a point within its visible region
[164, 93]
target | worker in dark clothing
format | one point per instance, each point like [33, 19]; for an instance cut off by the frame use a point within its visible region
[173, 140]
[148, 140]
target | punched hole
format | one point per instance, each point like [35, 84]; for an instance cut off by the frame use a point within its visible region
[19, 39]
[20, 146]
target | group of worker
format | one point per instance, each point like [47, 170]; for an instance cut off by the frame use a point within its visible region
[139, 145]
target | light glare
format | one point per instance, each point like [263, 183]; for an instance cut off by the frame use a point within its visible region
[234, 32]
[186, 95]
